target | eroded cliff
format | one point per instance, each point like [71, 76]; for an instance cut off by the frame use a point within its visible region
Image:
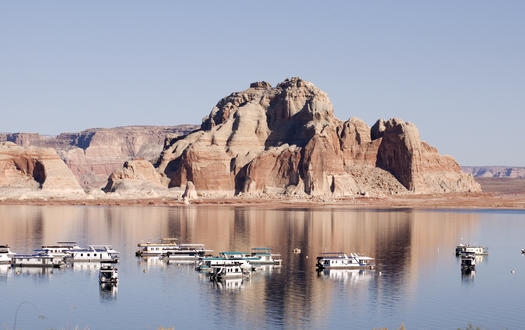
[93, 154]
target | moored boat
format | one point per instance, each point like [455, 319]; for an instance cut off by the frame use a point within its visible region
[38, 259]
[467, 249]
[185, 253]
[93, 253]
[155, 249]
[244, 259]
[5, 254]
[108, 274]
[328, 260]
[265, 257]
[61, 249]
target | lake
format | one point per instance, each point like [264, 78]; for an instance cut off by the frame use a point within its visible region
[417, 281]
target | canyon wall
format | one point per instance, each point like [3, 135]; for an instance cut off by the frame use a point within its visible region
[93, 154]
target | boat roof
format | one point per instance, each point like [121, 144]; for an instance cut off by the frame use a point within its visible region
[261, 248]
[342, 254]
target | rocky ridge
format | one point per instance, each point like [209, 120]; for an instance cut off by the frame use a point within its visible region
[494, 171]
[93, 154]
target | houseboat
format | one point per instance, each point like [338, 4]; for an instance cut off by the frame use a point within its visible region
[38, 259]
[155, 249]
[93, 253]
[61, 249]
[265, 257]
[228, 272]
[329, 260]
[243, 259]
[5, 254]
[108, 274]
[185, 253]
[467, 249]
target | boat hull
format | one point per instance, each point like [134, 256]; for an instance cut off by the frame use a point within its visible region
[32, 261]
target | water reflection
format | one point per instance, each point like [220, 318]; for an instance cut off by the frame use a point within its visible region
[45, 273]
[148, 263]
[228, 284]
[108, 291]
[407, 246]
[467, 276]
[347, 276]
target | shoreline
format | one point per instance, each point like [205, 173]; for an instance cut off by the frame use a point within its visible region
[482, 200]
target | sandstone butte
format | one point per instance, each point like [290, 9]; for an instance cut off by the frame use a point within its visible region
[285, 140]
[25, 169]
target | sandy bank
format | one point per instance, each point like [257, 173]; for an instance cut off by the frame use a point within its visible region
[436, 201]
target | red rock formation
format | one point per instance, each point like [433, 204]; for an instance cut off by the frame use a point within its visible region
[93, 154]
[135, 174]
[286, 139]
[34, 168]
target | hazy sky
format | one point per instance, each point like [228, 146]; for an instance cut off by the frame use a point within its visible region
[456, 69]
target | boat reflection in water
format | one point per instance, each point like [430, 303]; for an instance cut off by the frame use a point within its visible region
[467, 276]
[4, 270]
[108, 291]
[38, 272]
[347, 276]
[229, 284]
[85, 267]
[151, 262]
[266, 269]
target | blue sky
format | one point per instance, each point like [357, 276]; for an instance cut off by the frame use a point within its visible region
[456, 69]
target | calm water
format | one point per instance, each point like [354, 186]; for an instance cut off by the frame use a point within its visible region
[417, 283]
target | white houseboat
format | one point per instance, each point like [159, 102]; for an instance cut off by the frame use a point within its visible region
[265, 257]
[108, 274]
[467, 249]
[185, 253]
[228, 272]
[243, 259]
[155, 249]
[38, 259]
[93, 253]
[61, 249]
[5, 254]
[330, 260]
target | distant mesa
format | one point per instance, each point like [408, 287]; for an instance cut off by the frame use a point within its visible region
[495, 171]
